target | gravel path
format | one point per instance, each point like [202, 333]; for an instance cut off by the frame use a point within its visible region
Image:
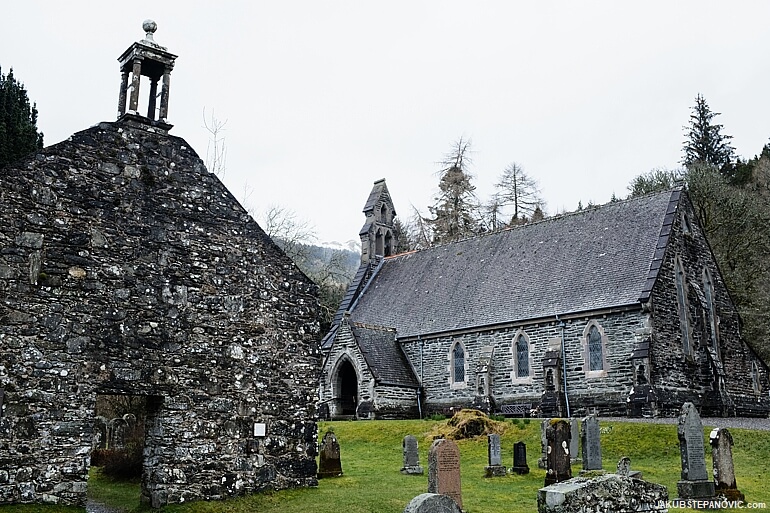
[715, 422]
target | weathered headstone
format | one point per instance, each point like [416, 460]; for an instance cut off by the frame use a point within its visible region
[591, 443]
[444, 470]
[520, 458]
[116, 433]
[542, 461]
[432, 503]
[558, 460]
[323, 412]
[411, 456]
[724, 472]
[494, 467]
[694, 483]
[100, 433]
[606, 493]
[624, 468]
[574, 447]
[329, 464]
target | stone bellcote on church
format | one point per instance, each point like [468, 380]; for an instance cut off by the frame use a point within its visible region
[145, 58]
[378, 236]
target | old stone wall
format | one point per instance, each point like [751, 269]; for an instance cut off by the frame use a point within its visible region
[127, 268]
[605, 394]
[679, 377]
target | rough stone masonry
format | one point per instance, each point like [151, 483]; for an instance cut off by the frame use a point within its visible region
[127, 268]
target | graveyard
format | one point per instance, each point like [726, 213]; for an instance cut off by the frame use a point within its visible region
[371, 457]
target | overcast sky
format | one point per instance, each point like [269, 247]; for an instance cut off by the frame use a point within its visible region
[322, 98]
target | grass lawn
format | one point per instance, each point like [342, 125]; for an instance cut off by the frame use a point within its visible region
[371, 458]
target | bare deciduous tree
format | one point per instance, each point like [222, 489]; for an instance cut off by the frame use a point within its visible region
[519, 191]
[216, 151]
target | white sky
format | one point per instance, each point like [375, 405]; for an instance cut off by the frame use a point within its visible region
[322, 98]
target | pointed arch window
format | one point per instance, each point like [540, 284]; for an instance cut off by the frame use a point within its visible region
[681, 302]
[458, 364]
[755, 379]
[711, 311]
[595, 350]
[521, 350]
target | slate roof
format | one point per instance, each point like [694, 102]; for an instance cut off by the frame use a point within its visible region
[597, 258]
[384, 355]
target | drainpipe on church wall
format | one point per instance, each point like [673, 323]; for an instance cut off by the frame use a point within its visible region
[562, 325]
[419, 389]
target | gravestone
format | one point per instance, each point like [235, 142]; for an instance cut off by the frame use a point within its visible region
[724, 472]
[432, 503]
[520, 458]
[411, 456]
[591, 443]
[100, 433]
[541, 462]
[694, 483]
[329, 464]
[323, 412]
[574, 447]
[116, 433]
[558, 459]
[624, 468]
[444, 470]
[494, 467]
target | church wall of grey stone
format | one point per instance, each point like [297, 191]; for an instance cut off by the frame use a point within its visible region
[127, 268]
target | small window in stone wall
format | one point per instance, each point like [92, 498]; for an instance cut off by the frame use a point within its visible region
[711, 311]
[755, 380]
[522, 356]
[682, 306]
[458, 364]
[594, 350]
[595, 353]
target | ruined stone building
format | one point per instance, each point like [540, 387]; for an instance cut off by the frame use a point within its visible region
[618, 309]
[127, 268]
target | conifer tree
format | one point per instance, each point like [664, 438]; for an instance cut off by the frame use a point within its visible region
[18, 121]
[453, 211]
[705, 143]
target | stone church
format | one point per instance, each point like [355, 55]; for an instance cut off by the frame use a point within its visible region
[127, 268]
[618, 310]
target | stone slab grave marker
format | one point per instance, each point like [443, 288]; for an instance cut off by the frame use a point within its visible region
[624, 468]
[694, 483]
[591, 443]
[444, 470]
[411, 456]
[329, 464]
[542, 461]
[495, 467]
[574, 442]
[432, 503]
[724, 472]
[558, 438]
[520, 458]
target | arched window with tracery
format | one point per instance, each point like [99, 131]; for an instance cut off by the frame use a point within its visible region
[595, 350]
[521, 361]
[458, 364]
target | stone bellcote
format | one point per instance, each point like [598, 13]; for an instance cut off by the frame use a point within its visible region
[145, 58]
[378, 236]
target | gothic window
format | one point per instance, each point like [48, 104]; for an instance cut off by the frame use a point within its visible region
[711, 311]
[458, 364]
[686, 228]
[681, 301]
[378, 243]
[595, 353]
[388, 244]
[755, 378]
[521, 350]
[595, 350]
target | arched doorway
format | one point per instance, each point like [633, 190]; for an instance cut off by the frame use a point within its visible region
[347, 389]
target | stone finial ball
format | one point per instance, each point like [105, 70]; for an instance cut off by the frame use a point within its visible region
[149, 26]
